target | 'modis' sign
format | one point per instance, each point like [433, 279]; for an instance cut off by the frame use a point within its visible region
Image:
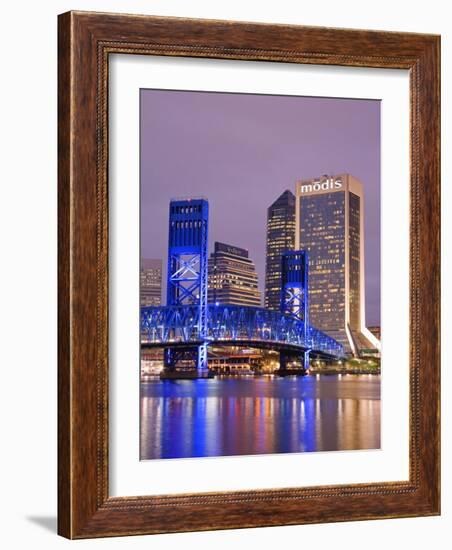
[323, 184]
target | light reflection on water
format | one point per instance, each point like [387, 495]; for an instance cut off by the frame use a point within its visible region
[246, 416]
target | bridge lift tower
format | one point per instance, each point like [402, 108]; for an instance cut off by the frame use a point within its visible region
[294, 302]
[187, 277]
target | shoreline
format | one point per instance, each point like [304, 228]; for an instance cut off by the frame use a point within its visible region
[156, 377]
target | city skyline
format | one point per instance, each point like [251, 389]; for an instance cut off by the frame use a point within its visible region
[241, 185]
[190, 325]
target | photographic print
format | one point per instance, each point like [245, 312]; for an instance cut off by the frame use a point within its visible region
[260, 274]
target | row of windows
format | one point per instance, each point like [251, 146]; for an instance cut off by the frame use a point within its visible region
[192, 209]
[191, 224]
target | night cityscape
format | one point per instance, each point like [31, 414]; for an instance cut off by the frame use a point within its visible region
[213, 301]
[249, 338]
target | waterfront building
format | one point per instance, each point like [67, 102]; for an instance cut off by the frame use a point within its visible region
[238, 362]
[329, 222]
[151, 363]
[232, 277]
[151, 282]
[280, 239]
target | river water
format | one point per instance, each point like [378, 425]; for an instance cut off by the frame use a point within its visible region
[256, 415]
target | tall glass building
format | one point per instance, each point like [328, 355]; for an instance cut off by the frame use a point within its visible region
[151, 282]
[232, 277]
[330, 226]
[280, 239]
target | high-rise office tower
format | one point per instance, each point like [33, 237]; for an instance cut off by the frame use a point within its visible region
[330, 226]
[232, 277]
[151, 282]
[280, 239]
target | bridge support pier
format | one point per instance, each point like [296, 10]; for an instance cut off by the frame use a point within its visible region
[293, 363]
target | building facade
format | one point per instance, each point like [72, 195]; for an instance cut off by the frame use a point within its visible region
[329, 223]
[232, 277]
[280, 239]
[151, 282]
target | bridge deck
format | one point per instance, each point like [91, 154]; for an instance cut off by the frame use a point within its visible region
[177, 326]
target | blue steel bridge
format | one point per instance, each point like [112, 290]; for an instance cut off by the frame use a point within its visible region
[178, 326]
[187, 325]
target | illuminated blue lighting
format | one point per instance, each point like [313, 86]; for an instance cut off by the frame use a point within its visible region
[187, 268]
[178, 325]
[187, 324]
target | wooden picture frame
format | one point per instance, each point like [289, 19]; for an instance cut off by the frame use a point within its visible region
[86, 40]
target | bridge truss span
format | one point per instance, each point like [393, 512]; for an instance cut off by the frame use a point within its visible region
[179, 324]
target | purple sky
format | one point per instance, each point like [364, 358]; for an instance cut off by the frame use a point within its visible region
[241, 151]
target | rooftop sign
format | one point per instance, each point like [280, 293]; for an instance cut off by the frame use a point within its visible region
[229, 249]
[323, 184]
